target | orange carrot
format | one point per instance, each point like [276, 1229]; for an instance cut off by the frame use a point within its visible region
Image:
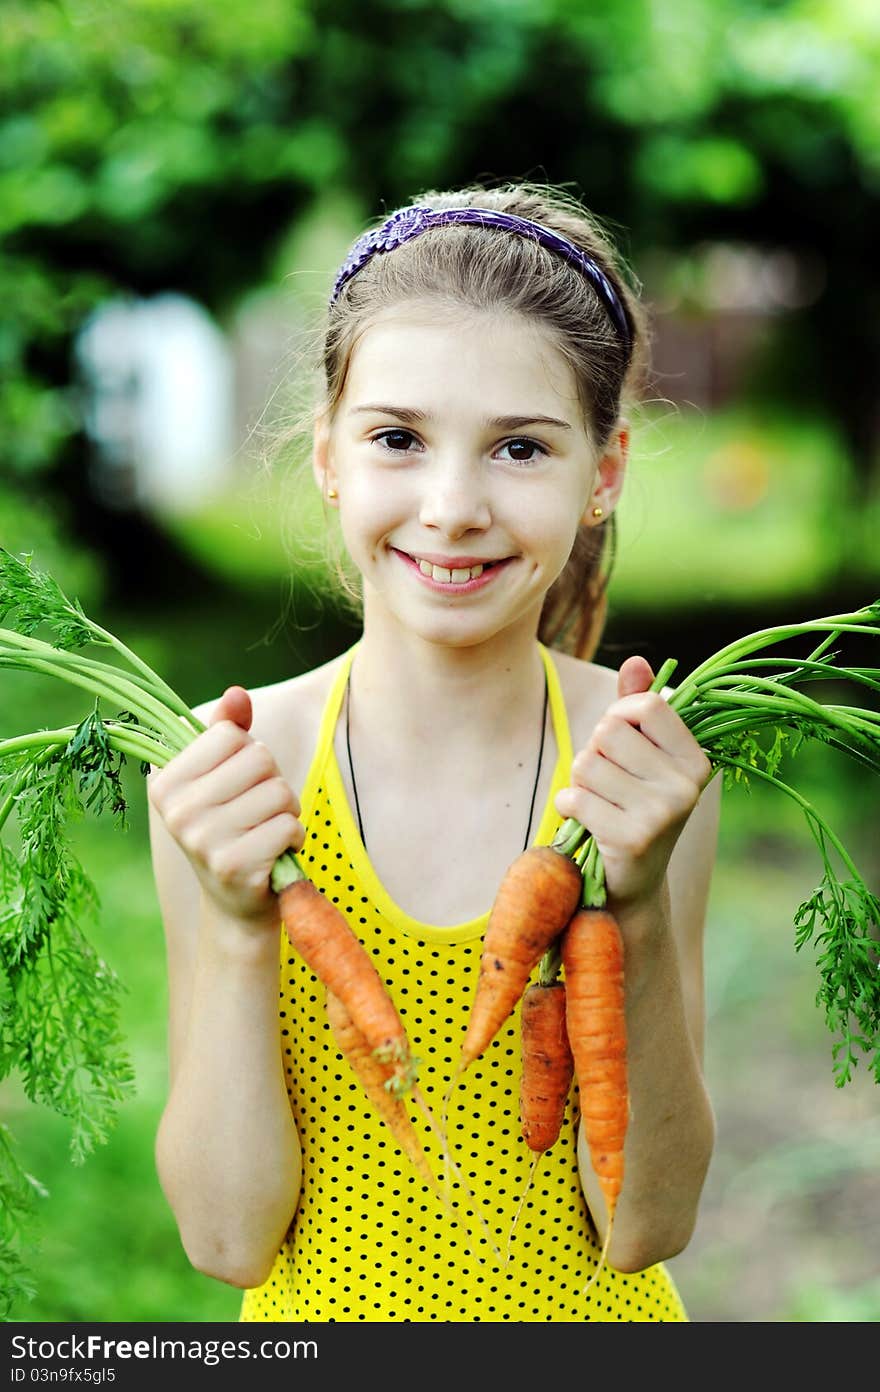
[535, 900]
[547, 1065]
[592, 955]
[373, 1077]
[547, 1071]
[320, 933]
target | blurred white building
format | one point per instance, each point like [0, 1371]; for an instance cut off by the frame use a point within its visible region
[158, 402]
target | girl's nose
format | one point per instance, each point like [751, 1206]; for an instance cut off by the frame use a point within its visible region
[455, 499]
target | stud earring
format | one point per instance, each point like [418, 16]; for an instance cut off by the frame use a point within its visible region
[598, 512]
[331, 493]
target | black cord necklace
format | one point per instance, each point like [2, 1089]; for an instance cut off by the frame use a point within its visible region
[351, 765]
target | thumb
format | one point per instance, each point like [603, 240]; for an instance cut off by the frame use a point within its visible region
[635, 675]
[234, 705]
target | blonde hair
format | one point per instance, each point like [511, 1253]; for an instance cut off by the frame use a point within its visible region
[484, 269]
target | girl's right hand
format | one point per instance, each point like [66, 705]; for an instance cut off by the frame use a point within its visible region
[226, 805]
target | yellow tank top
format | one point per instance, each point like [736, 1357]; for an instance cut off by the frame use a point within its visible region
[369, 1241]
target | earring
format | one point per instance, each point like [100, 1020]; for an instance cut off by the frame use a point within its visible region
[331, 493]
[597, 512]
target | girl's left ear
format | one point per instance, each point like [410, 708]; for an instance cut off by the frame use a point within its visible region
[610, 473]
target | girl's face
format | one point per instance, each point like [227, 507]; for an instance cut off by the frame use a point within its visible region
[459, 443]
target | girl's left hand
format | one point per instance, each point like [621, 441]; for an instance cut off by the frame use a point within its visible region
[635, 784]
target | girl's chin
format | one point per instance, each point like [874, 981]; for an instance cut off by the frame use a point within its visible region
[457, 629]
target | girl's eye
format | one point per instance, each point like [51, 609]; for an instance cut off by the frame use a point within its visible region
[397, 440]
[524, 451]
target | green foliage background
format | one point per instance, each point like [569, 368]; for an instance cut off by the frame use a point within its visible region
[227, 150]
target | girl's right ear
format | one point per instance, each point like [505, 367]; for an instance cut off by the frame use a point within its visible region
[321, 463]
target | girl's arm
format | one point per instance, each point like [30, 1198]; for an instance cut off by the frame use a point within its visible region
[638, 786]
[671, 1131]
[227, 1150]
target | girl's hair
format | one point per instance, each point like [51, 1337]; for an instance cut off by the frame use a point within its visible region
[482, 268]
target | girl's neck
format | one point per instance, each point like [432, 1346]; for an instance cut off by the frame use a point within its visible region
[438, 697]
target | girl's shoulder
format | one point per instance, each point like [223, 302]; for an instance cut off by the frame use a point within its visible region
[588, 689]
[287, 717]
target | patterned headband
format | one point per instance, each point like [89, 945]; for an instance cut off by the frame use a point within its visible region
[408, 223]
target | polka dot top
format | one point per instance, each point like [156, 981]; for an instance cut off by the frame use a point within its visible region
[369, 1241]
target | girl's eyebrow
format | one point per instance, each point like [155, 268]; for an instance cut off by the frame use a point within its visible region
[412, 416]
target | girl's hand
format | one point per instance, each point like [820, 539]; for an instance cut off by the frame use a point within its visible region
[226, 805]
[635, 784]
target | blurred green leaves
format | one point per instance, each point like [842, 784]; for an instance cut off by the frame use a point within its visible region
[173, 145]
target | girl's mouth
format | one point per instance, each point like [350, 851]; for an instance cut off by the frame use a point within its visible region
[459, 581]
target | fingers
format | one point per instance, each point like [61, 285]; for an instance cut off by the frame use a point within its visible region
[635, 675]
[253, 805]
[650, 714]
[247, 768]
[243, 860]
[640, 775]
[211, 749]
[619, 742]
[231, 779]
[235, 705]
[662, 797]
[230, 719]
[615, 828]
[225, 802]
[224, 783]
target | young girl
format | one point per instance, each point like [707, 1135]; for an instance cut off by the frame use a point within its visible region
[479, 351]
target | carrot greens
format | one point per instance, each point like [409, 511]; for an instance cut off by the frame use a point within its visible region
[749, 714]
[59, 1000]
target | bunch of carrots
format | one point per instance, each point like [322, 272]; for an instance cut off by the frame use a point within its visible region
[550, 912]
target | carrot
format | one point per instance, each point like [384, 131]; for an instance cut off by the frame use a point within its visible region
[320, 933]
[592, 955]
[374, 1077]
[547, 1071]
[547, 1065]
[535, 900]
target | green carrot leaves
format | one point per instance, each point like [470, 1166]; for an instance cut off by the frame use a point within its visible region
[59, 1001]
[750, 715]
[30, 598]
[19, 1192]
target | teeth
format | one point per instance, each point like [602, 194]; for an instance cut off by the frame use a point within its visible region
[447, 577]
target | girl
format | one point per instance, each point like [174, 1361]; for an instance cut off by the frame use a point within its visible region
[479, 351]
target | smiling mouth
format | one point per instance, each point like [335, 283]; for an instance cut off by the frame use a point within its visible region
[445, 576]
[452, 575]
[462, 578]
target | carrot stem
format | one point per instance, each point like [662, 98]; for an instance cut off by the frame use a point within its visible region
[286, 871]
[568, 837]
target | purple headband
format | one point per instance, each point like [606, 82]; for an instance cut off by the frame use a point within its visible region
[408, 223]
